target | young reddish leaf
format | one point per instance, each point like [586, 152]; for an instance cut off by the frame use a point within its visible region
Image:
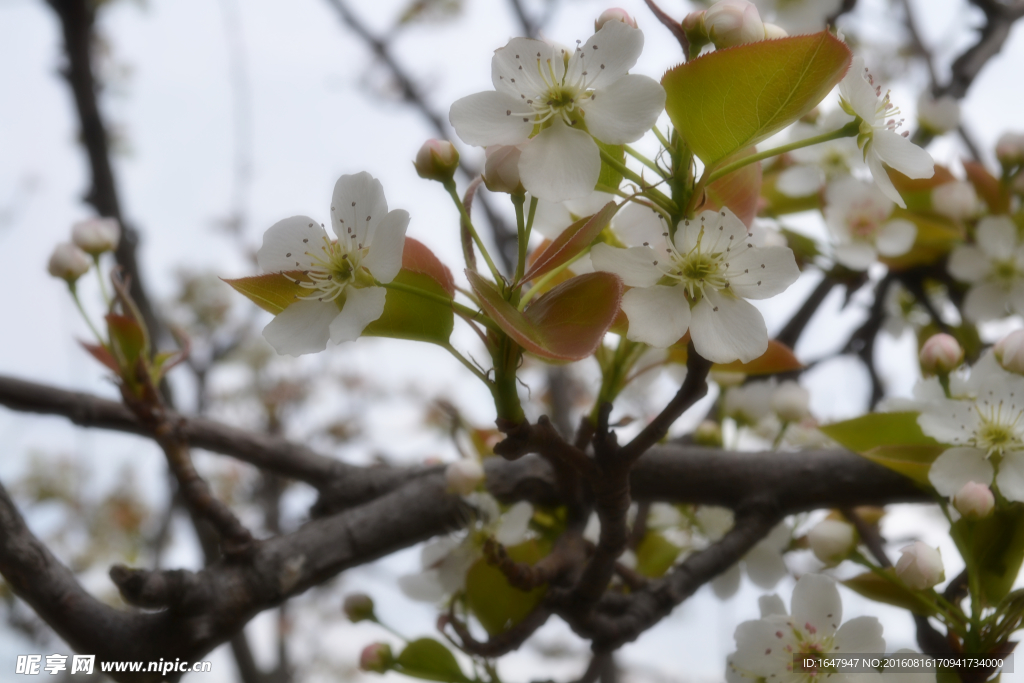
[416, 257]
[571, 242]
[987, 187]
[101, 354]
[731, 99]
[740, 191]
[126, 337]
[273, 292]
[565, 324]
[410, 316]
[778, 358]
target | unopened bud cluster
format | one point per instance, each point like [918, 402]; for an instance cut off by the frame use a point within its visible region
[89, 238]
[728, 23]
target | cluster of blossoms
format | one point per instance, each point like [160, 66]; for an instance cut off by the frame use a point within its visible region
[89, 239]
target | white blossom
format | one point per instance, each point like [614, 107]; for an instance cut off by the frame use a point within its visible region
[737, 22]
[956, 199]
[832, 541]
[1009, 351]
[994, 267]
[1010, 148]
[859, 217]
[96, 235]
[590, 95]
[942, 353]
[920, 566]
[340, 275]
[791, 402]
[878, 139]
[938, 115]
[68, 262]
[974, 500]
[700, 281]
[821, 163]
[799, 16]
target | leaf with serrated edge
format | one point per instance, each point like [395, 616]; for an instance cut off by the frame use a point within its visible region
[571, 242]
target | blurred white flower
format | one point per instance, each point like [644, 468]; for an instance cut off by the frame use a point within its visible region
[994, 267]
[1009, 351]
[733, 22]
[799, 16]
[1010, 149]
[942, 353]
[821, 163]
[859, 218]
[938, 115]
[832, 541]
[956, 199]
[920, 566]
[764, 563]
[791, 402]
[463, 476]
[974, 500]
[68, 262]
[95, 236]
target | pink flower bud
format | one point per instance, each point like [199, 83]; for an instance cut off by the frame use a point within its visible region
[437, 160]
[832, 541]
[941, 354]
[920, 566]
[96, 235]
[1010, 149]
[771, 32]
[463, 476]
[68, 262]
[358, 607]
[974, 500]
[938, 115]
[956, 199]
[733, 22]
[376, 657]
[614, 14]
[791, 402]
[1009, 351]
[501, 169]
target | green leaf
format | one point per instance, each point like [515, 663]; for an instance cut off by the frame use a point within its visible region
[571, 242]
[740, 190]
[609, 176]
[877, 588]
[564, 324]
[495, 603]
[912, 461]
[429, 660]
[893, 440]
[997, 545]
[731, 99]
[655, 555]
[127, 340]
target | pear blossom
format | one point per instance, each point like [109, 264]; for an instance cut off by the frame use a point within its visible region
[765, 647]
[96, 235]
[938, 115]
[994, 267]
[821, 163]
[859, 217]
[68, 262]
[733, 22]
[974, 500]
[799, 16]
[700, 281]
[1010, 149]
[590, 96]
[956, 199]
[501, 169]
[984, 425]
[832, 541]
[437, 160]
[1009, 351]
[878, 139]
[791, 402]
[920, 566]
[942, 353]
[340, 275]
[750, 403]
[614, 14]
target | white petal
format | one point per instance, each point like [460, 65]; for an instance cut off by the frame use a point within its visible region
[881, 178]
[800, 181]
[902, 154]
[283, 247]
[727, 583]
[657, 315]
[717, 231]
[384, 259]
[816, 602]
[895, 237]
[759, 649]
[855, 255]
[362, 307]
[301, 328]
[514, 524]
[1011, 476]
[765, 566]
[434, 551]
[515, 70]
[589, 205]
[861, 634]
[858, 93]
[624, 110]
[424, 587]
[725, 329]
[489, 118]
[607, 56]
[771, 605]
[762, 272]
[551, 218]
[997, 236]
[968, 263]
[358, 203]
[636, 224]
[560, 163]
[635, 266]
[986, 301]
[957, 466]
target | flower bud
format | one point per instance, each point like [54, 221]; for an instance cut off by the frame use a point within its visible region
[771, 32]
[696, 31]
[733, 22]
[920, 566]
[1009, 351]
[791, 402]
[941, 354]
[956, 199]
[68, 262]
[938, 115]
[376, 657]
[358, 607]
[974, 500]
[832, 541]
[708, 433]
[437, 160]
[1010, 149]
[501, 169]
[614, 14]
[96, 235]
[463, 476]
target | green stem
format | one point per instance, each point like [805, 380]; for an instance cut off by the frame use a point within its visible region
[464, 311]
[547, 277]
[450, 186]
[644, 160]
[529, 218]
[661, 138]
[465, 361]
[518, 200]
[848, 131]
[88, 320]
[103, 284]
[655, 195]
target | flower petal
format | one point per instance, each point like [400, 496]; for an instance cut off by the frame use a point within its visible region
[486, 118]
[514, 524]
[717, 231]
[881, 178]
[816, 602]
[635, 266]
[765, 566]
[725, 329]
[858, 93]
[384, 259]
[986, 301]
[657, 315]
[726, 584]
[895, 237]
[624, 110]
[358, 203]
[856, 255]
[801, 180]
[423, 587]
[637, 224]
[362, 307]
[560, 163]
[996, 236]
[286, 242]
[861, 634]
[607, 55]
[515, 68]
[1011, 476]
[968, 263]
[902, 155]
[762, 272]
[301, 328]
[771, 605]
[957, 466]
